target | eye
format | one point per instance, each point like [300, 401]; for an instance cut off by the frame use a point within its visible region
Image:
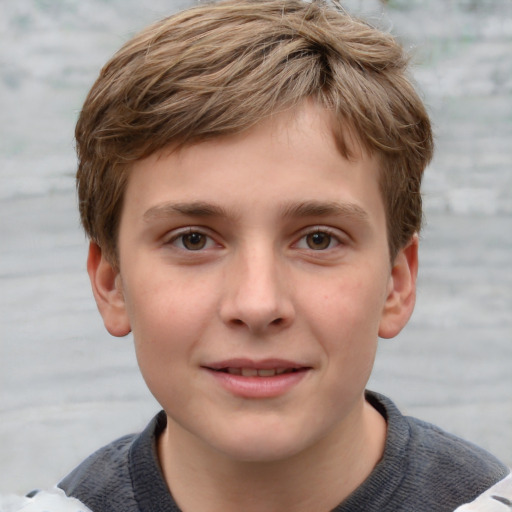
[192, 241]
[318, 241]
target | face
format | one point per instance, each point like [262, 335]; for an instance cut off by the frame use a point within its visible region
[255, 276]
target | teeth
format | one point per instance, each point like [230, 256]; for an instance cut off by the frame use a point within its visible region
[255, 372]
[266, 373]
[249, 372]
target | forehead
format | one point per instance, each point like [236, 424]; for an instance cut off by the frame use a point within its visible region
[290, 159]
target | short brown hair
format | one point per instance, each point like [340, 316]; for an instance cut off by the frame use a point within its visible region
[219, 68]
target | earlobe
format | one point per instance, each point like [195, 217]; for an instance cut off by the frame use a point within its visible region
[106, 287]
[401, 296]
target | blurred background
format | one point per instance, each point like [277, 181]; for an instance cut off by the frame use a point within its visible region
[67, 387]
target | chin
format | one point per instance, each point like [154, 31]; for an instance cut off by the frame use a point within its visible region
[264, 446]
[261, 453]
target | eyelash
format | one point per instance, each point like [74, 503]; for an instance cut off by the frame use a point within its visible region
[180, 236]
[177, 240]
[332, 235]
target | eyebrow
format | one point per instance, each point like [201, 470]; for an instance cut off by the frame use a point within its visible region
[326, 209]
[202, 209]
[193, 209]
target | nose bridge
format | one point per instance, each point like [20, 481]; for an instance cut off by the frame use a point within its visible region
[257, 294]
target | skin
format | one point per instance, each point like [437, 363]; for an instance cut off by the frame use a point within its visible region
[263, 246]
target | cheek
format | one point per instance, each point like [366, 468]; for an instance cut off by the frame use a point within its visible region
[347, 309]
[168, 317]
[163, 301]
[345, 321]
[165, 333]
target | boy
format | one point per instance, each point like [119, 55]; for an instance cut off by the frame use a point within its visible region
[249, 177]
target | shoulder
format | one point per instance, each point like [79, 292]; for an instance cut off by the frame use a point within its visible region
[124, 476]
[428, 468]
[449, 469]
[103, 479]
[114, 478]
[456, 462]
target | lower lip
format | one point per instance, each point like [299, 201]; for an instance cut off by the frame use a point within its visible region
[258, 387]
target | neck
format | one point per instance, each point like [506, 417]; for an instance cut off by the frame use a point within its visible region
[319, 478]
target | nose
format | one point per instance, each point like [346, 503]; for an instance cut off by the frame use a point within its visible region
[257, 293]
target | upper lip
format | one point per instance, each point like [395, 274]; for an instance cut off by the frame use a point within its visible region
[264, 364]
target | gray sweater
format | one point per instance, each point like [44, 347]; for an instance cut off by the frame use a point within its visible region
[423, 469]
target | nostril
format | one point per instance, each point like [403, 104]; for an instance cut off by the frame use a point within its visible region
[277, 322]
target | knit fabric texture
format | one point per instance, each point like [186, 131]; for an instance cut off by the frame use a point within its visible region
[423, 469]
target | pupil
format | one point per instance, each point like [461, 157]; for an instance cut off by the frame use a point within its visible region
[318, 240]
[194, 241]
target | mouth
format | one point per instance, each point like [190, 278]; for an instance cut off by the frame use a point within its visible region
[256, 372]
[249, 379]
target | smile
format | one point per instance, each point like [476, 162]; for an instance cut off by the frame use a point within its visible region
[245, 378]
[257, 372]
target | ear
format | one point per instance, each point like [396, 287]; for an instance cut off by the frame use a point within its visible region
[401, 296]
[107, 290]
